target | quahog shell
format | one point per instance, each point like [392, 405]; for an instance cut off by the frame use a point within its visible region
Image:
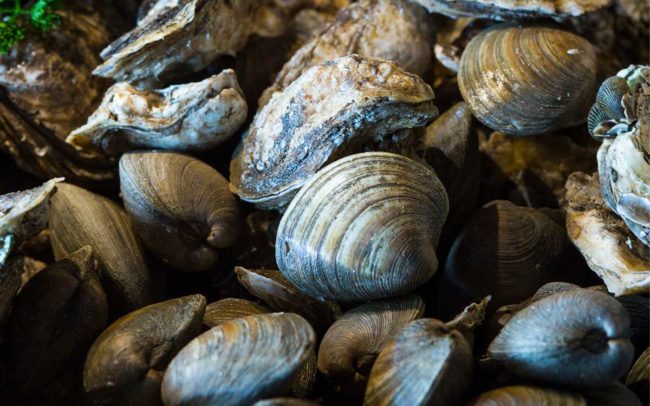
[364, 227]
[231, 308]
[528, 396]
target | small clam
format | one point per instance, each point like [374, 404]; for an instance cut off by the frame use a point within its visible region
[426, 362]
[528, 396]
[607, 115]
[240, 361]
[638, 379]
[526, 80]
[506, 251]
[302, 128]
[53, 322]
[181, 207]
[351, 344]
[229, 309]
[364, 227]
[126, 363]
[578, 337]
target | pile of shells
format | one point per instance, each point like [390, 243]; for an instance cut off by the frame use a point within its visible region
[304, 202]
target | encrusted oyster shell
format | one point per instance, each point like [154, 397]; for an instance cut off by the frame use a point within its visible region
[332, 110]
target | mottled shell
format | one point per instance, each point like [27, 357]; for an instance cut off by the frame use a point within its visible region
[578, 337]
[79, 218]
[526, 80]
[26, 213]
[528, 396]
[305, 126]
[394, 30]
[351, 344]
[506, 251]
[126, 363]
[181, 207]
[365, 227]
[231, 308]
[188, 117]
[240, 361]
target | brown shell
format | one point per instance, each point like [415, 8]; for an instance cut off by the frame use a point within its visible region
[305, 126]
[24, 214]
[638, 379]
[231, 308]
[528, 396]
[526, 80]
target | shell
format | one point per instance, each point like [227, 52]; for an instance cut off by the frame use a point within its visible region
[506, 251]
[53, 322]
[528, 396]
[240, 361]
[181, 207]
[607, 245]
[188, 117]
[426, 362]
[285, 402]
[351, 344]
[271, 287]
[615, 394]
[638, 379]
[197, 31]
[577, 337]
[305, 126]
[126, 363]
[607, 112]
[394, 30]
[365, 227]
[79, 218]
[526, 80]
[229, 309]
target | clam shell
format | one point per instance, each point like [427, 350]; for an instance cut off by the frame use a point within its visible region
[365, 227]
[79, 218]
[578, 337]
[305, 126]
[229, 309]
[285, 402]
[181, 207]
[638, 379]
[608, 109]
[240, 361]
[528, 396]
[526, 80]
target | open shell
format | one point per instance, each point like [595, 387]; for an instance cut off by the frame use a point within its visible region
[365, 227]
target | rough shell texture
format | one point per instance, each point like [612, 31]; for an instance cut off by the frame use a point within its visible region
[187, 35]
[79, 218]
[608, 246]
[24, 214]
[306, 126]
[126, 362]
[231, 308]
[526, 80]
[528, 396]
[181, 207]
[188, 117]
[577, 337]
[607, 115]
[394, 30]
[351, 344]
[240, 361]
[365, 227]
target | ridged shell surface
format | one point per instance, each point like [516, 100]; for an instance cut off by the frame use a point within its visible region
[528, 396]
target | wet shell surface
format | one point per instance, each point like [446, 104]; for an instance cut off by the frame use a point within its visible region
[365, 227]
[528, 396]
[240, 361]
[181, 207]
[527, 80]
[304, 127]
[229, 309]
[23, 214]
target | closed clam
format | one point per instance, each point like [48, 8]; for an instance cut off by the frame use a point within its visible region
[526, 80]
[229, 309]
[302, 128]
[126, 363]
[240, 361]
[181, 207]
[351, 344]
[364, 227]
[426, 362]
[638, 379]
[577, 337]
[528, 396]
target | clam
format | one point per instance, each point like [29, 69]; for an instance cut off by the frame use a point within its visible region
[231, 308]
[79, 218]
[426, 362]
[607, 116]
[302, 128]
[615, 394]
[181, 207]
[638, 379]
[126, 363]
[526, 80]
[506, 251]
[188, 117]
[528, 396]
[578, 337]
[394, 30]
[271, 287]
[285, 402]
[351, 344]
[608, 246]
[365, 227]
[240, 361]
[54, 320]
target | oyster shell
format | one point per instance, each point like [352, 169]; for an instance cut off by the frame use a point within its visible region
[189, 117]
[24, 214]
[307, 125]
